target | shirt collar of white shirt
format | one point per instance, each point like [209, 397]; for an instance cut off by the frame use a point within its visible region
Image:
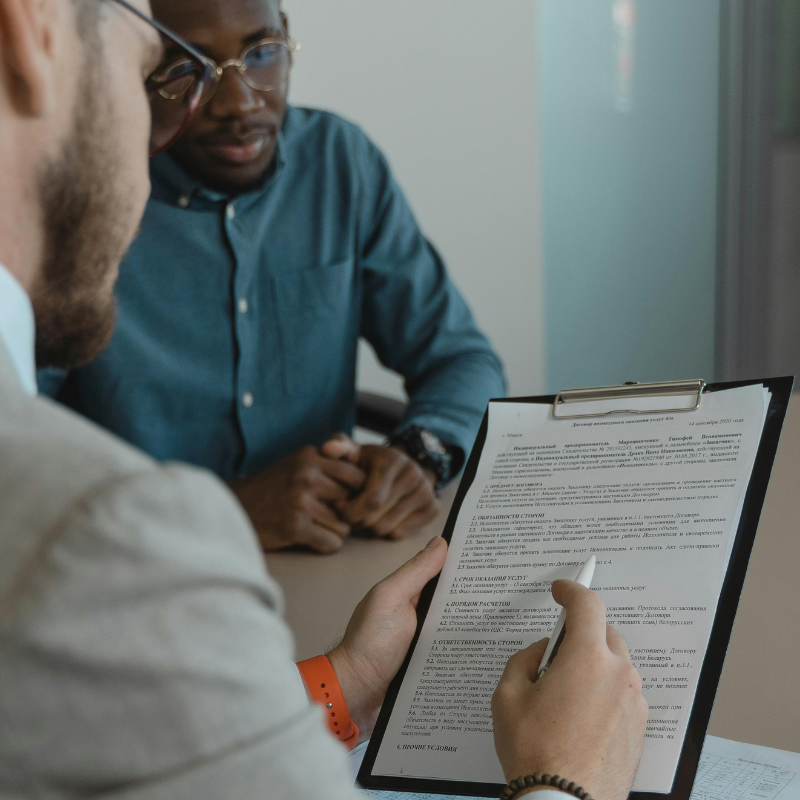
[18, 329]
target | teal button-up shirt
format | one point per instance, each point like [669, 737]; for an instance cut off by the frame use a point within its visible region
[239, 318]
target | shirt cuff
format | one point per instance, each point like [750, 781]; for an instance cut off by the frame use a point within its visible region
[548, 794]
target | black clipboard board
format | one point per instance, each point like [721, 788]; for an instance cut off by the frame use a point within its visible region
[780, 389]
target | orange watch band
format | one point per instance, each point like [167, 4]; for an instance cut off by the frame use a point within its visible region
[323, 687]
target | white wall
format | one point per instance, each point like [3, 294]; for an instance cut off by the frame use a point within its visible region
[447, 89]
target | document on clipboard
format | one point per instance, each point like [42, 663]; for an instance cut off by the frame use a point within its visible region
[663, 483]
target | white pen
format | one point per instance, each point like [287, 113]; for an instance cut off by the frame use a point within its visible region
[584, 578]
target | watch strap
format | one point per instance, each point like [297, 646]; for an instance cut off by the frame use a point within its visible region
[323, 688]
[427, 450]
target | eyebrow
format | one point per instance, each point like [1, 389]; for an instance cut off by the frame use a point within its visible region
[267, 32]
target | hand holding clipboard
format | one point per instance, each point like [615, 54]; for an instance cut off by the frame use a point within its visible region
[667, 495]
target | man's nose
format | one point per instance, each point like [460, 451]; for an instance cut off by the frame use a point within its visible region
[234, 98]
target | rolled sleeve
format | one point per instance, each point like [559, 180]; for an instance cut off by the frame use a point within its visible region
[417, 321]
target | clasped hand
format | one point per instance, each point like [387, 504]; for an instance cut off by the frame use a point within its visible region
[317, 497]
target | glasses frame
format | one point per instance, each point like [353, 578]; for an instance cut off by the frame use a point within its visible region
[207, 66]
[241, 67]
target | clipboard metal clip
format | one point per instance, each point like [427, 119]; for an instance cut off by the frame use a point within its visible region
[665, 389]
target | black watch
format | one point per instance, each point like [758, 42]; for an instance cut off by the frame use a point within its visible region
[428, 450]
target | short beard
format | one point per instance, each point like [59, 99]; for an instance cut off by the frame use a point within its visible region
[84, 215]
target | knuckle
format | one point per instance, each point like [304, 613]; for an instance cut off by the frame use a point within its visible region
[386, 460]
[296, 516]
[380, 593]
[433, 508]
[502, 692]
[371, 503]
[306, 503]
[297, 500]
[424, 492]
[414, 468]
[409, 483]
[594, 601]
[513, 660]
[305, 478]
[595, 654]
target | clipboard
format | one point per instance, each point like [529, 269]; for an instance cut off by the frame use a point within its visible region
[780, 389]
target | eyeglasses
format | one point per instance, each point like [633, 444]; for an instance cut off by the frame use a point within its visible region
[171, 116]
[263, 66]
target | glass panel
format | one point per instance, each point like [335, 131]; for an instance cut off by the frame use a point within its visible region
[629, 121]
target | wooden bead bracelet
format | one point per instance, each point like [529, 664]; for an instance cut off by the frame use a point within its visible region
[543, 779]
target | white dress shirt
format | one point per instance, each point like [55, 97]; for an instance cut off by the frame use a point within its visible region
[17, 329]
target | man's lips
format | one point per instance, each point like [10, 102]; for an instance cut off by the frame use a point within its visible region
[237, 149]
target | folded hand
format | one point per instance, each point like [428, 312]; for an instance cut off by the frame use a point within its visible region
[398, 497]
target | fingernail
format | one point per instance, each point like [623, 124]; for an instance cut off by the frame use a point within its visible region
[433, 543]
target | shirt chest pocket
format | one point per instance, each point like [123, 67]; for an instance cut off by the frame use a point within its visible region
[318, 313]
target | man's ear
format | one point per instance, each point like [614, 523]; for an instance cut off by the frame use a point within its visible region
[27, 54]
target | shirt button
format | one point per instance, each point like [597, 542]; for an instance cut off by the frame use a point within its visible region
[230, 211]
[183, 201]
[243, 305]
[248, 399]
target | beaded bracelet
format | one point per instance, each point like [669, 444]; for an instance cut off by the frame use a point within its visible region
[543, 779]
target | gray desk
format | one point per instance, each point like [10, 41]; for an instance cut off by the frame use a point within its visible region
[759, 695]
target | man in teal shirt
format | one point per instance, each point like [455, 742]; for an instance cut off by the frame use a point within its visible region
[274, 238]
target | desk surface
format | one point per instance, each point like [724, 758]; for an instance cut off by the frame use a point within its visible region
[758, 700]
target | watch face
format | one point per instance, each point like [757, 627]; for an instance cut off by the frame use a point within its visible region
[432, 443]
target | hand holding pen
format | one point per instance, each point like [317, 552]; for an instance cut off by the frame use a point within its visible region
[584, 719]
[584, 578]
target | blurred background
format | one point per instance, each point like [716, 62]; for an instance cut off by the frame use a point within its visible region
[614, 184]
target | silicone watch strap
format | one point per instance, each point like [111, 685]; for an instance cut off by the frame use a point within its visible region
[323, 687]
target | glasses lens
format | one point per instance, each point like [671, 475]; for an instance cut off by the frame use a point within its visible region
[173, 93]
[176, 79]
[267, 65]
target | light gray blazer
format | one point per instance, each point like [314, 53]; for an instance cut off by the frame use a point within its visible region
[142, 652]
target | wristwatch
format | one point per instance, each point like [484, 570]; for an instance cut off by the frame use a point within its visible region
[428, 450]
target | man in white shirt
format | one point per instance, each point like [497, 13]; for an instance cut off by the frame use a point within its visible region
[17, 329]
[142, 653]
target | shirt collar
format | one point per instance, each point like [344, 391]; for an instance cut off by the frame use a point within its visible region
[172, 183]
[18, 329]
